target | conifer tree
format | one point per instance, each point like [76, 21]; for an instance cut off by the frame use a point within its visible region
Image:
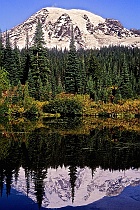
[125, 86]
[25, 61]
[39, 186]
[72, 79]
[1, 51]
[4, 82]
[91, 87]
[95, 76]
[12, 62]
[115, 75]
[39, 36]
[73, 177]
[25, 65]
[1, 180]
[38, 77]
[93, 67]
[17, 70]
[8, 56]
[82, 76]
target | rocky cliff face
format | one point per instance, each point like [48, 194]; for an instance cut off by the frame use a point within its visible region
[90, 30]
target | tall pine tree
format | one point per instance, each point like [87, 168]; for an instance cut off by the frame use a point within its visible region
[72, 80]
[1, 51]
[38, 77]
[12, 62]
[125, 86]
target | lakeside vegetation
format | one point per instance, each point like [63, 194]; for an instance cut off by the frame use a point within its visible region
[69, 105]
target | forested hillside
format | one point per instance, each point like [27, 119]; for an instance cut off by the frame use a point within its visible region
[106, 74]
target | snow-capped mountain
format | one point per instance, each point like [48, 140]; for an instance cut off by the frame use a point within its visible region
[57, 188]
[90, 30]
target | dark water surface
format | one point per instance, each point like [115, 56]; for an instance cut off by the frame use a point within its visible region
[70, 164]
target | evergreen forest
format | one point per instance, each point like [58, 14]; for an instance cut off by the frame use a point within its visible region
[106, 75]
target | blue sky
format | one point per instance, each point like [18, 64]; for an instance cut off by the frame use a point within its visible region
[13, 12]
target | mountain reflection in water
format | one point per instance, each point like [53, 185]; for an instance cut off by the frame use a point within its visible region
[57, 188]
[68, 162]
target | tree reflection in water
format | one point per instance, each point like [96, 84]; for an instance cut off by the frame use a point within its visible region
[63, 142]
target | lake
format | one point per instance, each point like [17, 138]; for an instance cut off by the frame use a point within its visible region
[70, 163]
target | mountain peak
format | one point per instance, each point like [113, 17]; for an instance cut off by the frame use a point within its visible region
[90, 30]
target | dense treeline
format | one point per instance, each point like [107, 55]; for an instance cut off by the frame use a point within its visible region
[108, 74]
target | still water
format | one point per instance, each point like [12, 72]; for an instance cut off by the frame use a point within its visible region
[69, 163]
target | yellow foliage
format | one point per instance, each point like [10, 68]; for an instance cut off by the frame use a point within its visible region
[21, 110]
[40, 104]
[91, 107]
[124, 108]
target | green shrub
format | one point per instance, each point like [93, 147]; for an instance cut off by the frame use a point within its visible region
[64, 106]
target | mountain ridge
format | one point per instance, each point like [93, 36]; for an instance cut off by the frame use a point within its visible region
[90, 30]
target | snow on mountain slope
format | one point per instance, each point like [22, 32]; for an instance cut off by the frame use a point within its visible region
[57, 188]
[90, 30]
